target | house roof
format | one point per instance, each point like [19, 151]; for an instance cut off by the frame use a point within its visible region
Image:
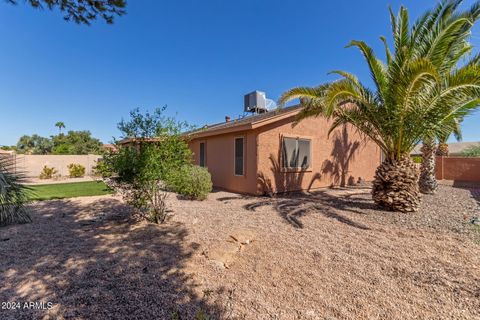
[242, 124]
[453, 148]
[246, 123]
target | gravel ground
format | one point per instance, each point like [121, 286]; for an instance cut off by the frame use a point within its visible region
[328, 255]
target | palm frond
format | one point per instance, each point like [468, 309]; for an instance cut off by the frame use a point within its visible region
[13, 194]
[422, 91]
[377, 67]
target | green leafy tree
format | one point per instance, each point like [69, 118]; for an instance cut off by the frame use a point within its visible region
[34, 144]
[151, 124]
[416, 96]
[76, 142]
[144, 165]
[81, 11]
[60, 125]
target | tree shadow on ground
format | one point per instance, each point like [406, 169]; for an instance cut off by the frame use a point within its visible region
[91, 261]
[472, 187]
[293, 207]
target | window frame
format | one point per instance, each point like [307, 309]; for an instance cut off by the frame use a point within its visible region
[204, 154]
[235, 155]
[296, 169]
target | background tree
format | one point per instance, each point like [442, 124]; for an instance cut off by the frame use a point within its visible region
[60, 125]
[76, 142]
[81, 11]
[415, 98]
[34, 144]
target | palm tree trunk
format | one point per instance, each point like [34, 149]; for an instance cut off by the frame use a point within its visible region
[396, 185]
[442, 149]
[428, 183]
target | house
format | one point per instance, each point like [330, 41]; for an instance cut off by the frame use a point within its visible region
[265, 153]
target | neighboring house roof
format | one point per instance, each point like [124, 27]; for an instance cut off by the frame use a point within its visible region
[109, 147]
[247, 123]
[453, 148]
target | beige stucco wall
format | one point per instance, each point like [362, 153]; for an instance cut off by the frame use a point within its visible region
[32, 165]
[339, 159]
[220, 161]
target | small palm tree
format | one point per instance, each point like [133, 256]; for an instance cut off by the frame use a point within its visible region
[452, 30]
[416, 97]
[442, 149]
[13, 194]
[60, 125]
[427, 182]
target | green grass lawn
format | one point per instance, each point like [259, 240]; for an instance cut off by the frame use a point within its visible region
[68, 190]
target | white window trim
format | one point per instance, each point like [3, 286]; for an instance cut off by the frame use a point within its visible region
[234, 155]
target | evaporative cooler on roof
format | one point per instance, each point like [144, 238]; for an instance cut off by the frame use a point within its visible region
[255, 102]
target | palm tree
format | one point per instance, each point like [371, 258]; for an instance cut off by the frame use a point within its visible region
[13, 195]
[428, 182]
[451, 30]
[60, 125]
[442, 149]
[414, 99]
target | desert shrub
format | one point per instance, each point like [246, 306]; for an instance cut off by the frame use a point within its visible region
[47, 172]
[102, 169]
[472, 151]
[191, 181]
[76, 170]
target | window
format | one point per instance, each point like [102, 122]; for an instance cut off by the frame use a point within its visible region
[202, 154]
[239, 156]
[296, 153]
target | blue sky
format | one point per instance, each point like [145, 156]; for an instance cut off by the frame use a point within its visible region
[197, 57]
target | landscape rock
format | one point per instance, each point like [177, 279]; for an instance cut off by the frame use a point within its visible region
[243, 235]
[223, 253]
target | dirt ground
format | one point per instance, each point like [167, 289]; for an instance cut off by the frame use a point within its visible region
[328, 255]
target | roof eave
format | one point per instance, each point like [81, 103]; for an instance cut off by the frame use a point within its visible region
[243, 127]
[208, 133]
